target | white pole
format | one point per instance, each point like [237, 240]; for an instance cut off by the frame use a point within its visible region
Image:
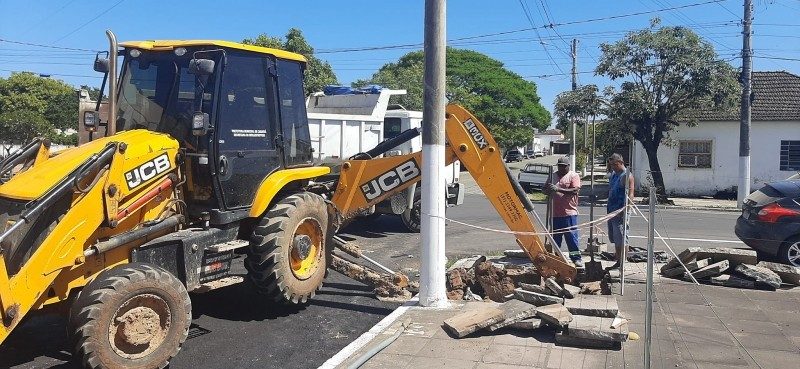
[648, 317]
[747, 88]
[432, 270]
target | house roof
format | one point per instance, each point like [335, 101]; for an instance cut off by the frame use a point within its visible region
[776, 97]
[553, 131]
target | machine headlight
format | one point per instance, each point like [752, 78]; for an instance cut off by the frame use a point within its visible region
[134, 53]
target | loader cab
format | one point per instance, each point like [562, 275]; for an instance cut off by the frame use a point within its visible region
[253, 102]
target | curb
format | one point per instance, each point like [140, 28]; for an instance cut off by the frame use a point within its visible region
[367, 336]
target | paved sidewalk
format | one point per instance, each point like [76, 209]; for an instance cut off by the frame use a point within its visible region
[686, 334]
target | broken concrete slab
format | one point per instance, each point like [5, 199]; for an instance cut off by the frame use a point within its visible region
[527, 324]
[494, 281]
[555, 314]
[467, 263]
[789, 274]
[456, 283]
[538, 299]
[618, 321]
[685, 256]
[591, 288]
[515, 254]
[733, 256]
[473, 320]
[709, 271]
[692, 266]
[533, 288]
[728, 280]
[593, 305]
[596, 328]
[565, 340]
[571, 291]
[761, 275]
[523, 275]
[555, 288]
[513, 311]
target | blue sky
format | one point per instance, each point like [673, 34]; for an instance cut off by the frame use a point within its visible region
[336, 25]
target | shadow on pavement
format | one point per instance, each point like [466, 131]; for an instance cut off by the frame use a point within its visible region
[37, 337]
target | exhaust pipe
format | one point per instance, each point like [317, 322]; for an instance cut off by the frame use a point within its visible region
[111, 127]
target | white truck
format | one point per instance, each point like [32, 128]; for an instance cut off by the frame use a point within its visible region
[534, 176]
[344, 125]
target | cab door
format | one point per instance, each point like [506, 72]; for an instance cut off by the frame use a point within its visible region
[246, 150]
[295, 139]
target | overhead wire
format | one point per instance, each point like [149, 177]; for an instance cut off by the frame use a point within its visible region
[527, 13]
[84, 24]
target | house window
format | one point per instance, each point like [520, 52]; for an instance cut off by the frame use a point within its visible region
[790, 155]
[694, 154]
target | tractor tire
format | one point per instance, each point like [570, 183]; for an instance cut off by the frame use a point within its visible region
[131, 316]
[412, 218]
[289, 251]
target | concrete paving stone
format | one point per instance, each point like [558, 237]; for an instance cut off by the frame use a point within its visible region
[733, 256]
[556, 315]
[571, 291]
[499, 366]
[593, 305]
[789, 306]
[513, 311]
[527, 324]
[686, 256]
[776, 359]
[693, 336]
[781, 317]
[406, 345]
[682, 298]
[687, 309]
[565, 358]
[789, 274]
[563, 339]
[467, 263]
[503, 354]
[441, 362]
[761, 275]
[679, 270]
[682, 320]
[733, 281]
[384, 360]
[465, 350]
[533, 288]
[774, 341]
[716, 354]
[709, 271]
[514, 339]
[596, 328]
[660, 332]
[751, 326]
[718, 301]
[795, 340]
[595, 359]
[538, 299]
[552, 285]
[781, 295]
[472, 320]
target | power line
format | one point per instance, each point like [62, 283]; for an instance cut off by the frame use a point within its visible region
[37, 24]
[70, 33]
[49, 74]
[46, 46]
[539, 36]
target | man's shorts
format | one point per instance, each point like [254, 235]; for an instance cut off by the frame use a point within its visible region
[615, 230]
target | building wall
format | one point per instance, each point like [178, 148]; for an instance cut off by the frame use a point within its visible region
[545, 140]
[765, 138]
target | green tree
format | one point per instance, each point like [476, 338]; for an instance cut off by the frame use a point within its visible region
[667, 73]
[508, 104]
[32, 106]
[319, 73]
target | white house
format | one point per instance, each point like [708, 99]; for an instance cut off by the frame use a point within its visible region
[704, 160]
[547, 137]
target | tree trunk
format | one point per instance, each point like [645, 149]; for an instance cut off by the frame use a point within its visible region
[657, 175]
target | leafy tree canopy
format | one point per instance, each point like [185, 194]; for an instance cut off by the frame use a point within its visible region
[504, 101]
[318, 72]
[667, 73]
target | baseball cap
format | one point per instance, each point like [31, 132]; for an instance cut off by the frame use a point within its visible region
[564, 160]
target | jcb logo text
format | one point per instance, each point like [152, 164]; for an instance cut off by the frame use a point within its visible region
[147, 171]
[390, 180]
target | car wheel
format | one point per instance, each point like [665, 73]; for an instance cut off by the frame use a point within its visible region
[790, 252]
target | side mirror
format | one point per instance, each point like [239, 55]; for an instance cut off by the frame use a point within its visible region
[201, 67]
[90, 120]
[200, 125]
[101, 64]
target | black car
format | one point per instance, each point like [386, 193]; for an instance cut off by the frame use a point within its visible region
[513, 156]
[770, 221]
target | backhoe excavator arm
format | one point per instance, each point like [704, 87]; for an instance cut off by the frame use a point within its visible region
[363, 183]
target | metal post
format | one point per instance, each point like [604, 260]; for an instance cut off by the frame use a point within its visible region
[111, 125]
[744, 122]
[592, 196]
[432, 269]
[648, 317]
[624, 256]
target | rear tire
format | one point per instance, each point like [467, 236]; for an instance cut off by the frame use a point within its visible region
[131, 316]
[289, 252]
[790, 252]
[412, 218]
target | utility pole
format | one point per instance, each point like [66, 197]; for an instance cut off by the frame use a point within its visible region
[574, 87]
[432, 269]
[747, 88]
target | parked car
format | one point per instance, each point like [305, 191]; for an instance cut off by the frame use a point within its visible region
[770, 221]
[530, 154]
[513, 156]
[538, 153]
[533, 176]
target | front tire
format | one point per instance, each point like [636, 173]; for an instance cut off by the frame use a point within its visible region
[131, 316]
[289, 253]
[412, 218]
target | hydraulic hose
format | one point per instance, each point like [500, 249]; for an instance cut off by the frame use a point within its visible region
[20, 156]
[388, 144]
[130, 236]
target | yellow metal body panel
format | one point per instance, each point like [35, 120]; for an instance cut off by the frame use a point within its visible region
[364, 183]
[35, 182]
[277, 181]
[166, 45]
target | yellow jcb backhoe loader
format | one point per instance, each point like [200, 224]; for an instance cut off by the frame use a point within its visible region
[206, 151]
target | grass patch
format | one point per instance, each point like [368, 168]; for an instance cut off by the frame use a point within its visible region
[537, 196]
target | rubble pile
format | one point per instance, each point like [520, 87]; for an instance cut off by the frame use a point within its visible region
[730, 267]
[516, 298]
